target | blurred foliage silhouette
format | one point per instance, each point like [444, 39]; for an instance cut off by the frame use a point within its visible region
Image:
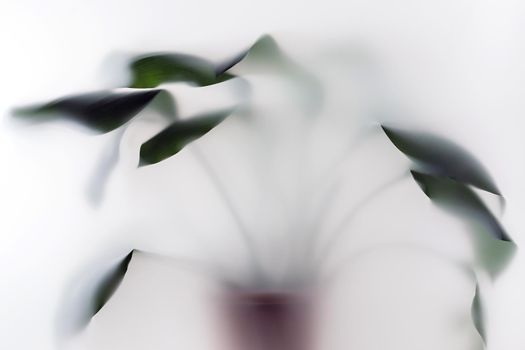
[444, 171]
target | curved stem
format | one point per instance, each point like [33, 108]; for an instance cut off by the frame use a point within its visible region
[202, 267]
[334, 184]
[477, 308]
[245, 236]
[327, 200]
[368, 250]
[336, 234]
[325, 177]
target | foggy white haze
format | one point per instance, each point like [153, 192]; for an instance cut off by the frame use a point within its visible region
[455, 68]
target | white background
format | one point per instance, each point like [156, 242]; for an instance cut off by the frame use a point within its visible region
[457, 66]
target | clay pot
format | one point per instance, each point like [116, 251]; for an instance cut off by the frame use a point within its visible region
[268, 320]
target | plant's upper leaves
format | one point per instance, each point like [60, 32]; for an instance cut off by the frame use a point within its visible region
[266, 57]
[222, 68]
[266, 49]
[263, 53]
[152, 70]
[102, 111]
[495, 247]
[177, 135]
[478, 315]
[109, 283]
[438, 156]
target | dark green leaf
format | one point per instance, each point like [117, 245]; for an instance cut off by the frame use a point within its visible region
[87, 294]
[152, 70]
[177, 135]
[495, 247]
[460, 199]
[102, 111]
[437, 156]
[109, 283]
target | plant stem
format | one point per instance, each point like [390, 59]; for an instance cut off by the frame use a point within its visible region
[337, 233]
[245, 236]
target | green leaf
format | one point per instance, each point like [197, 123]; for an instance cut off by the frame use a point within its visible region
[493, 255]
[177, 135]
[264, 52]
[110, 283]
[495, 248]
[477, 314]
[437, 156]
[459, 199]
[266, 49]
[104, 168]
[152, 70]
[266, 57]
[87, 294]
[102, 111]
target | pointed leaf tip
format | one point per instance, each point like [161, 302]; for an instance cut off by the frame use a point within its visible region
[494, 247]
[438, 156]
[151, 70]
[110, 283]
[102, 111]
[178, 135]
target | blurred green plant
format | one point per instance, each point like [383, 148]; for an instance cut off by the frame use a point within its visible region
[444, 171]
